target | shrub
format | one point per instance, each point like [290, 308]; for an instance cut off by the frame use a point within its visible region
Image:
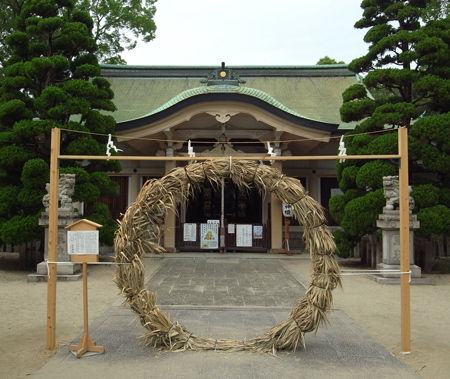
[336, 206]
[344, 243]
[348, 177]
[35, 173]
[19, 229]
[360, 214]
[434, 221]
[425, 195]
[370, 175]
[101, 215]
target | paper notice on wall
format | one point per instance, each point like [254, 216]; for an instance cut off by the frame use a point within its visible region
[82, 242]
[335, 191]
[209, 236]
[257, 232]
[231, 228]
[243, 235]
[190, 232]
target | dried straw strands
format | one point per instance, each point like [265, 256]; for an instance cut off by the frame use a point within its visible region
[139, 233]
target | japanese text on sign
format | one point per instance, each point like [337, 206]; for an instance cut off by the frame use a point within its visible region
[82, 242]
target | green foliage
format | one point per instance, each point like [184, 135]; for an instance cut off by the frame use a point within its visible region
[7, 138]
[434, 221]
[35, 173]
[353, 194]
[405, 83]
[357, 109]
[104, 183]
[86, 192]
[85, 145]
[101, 215]
[444, 196]
[118, 24]
[384, 144]
[358, 144]
[436, 9]
[27, 130]
[361, 213]
[49, 80]
[81, 175]
[12, 111]
[12, 157]
[425, 195]
[327, 60]
[31, 197]
[20, 229]
[354, 92]
[431, 143]
[344, 243]
[348, 178]
[8, 200]
[336, 206]
[370, 175]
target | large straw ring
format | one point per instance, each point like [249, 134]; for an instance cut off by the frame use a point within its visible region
[139, 233]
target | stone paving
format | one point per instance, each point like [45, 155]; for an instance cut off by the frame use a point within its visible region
[216, 297]
[225, 282]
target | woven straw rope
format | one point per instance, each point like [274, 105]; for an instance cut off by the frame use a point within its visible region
[139, 233]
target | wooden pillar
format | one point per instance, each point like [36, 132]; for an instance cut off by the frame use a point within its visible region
[404, 242]
[276, 218]
[170, 219]
[52, 238]
[133, 188]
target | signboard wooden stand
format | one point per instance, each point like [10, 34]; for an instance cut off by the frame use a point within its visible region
[83, 237]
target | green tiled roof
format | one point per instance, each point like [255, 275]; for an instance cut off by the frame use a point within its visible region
[312, 92]
[224, 89]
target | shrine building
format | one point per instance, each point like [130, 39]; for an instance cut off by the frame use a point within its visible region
[228, 111]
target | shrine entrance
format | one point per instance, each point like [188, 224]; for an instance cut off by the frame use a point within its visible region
[237, 215]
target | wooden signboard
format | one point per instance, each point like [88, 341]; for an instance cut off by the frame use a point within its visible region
[82, 246]
[82, 241]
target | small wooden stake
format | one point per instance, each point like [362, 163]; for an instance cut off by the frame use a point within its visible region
[286, 233]
[86, 343]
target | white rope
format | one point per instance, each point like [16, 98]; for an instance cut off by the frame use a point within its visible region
[371, 271]
[91, 263]
[365, 272]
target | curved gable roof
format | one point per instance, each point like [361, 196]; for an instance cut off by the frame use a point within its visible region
[310, 94]
[226, 93]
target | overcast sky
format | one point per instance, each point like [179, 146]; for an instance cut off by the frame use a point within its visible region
[252, 32]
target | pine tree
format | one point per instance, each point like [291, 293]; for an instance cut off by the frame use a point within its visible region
[404, 82]
[50, 80]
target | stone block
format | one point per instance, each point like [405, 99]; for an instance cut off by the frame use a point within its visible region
[63, 268]
[416, 272]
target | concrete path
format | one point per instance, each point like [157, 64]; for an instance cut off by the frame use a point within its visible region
[228, 296]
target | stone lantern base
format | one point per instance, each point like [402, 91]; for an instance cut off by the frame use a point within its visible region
[65, 269]
[389, 223]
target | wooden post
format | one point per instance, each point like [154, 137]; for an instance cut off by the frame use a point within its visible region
[405, 312]
[286, 233]
[52, 237]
